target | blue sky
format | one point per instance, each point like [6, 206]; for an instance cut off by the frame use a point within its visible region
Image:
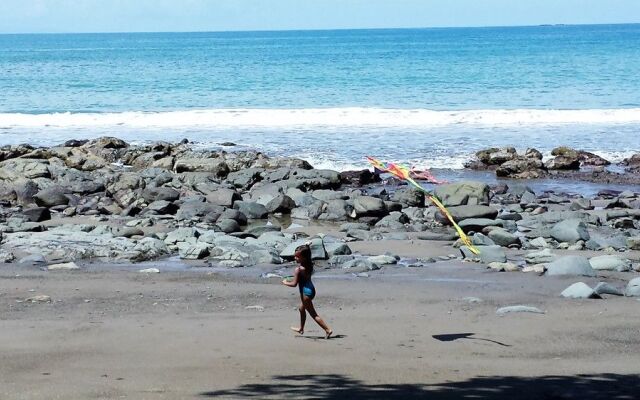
[22, 16]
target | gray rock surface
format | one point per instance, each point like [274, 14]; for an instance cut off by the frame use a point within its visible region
[570, 265]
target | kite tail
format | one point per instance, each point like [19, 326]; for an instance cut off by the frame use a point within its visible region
[463, 236]
[434, 200]
[403, 173]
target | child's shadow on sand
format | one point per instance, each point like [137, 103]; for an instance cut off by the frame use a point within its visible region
[321, 337]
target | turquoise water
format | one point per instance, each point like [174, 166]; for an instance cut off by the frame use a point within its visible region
[423, 96]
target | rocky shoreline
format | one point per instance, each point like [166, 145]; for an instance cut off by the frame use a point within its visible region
[106, 200]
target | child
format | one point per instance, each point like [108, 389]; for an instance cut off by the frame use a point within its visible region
[302, 279]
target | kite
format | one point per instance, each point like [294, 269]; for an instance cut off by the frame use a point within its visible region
[403, 173]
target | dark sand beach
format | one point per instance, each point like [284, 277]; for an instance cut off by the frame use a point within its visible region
[415, 314]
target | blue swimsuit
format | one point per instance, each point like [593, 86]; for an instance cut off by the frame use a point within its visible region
[306, 288]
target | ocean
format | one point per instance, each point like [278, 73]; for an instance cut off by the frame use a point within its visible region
[424, 97]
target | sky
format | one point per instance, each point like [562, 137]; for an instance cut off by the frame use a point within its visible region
[38, 16]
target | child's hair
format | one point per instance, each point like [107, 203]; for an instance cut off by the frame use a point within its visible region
[304, 252]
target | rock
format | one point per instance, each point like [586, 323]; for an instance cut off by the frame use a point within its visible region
[337, 249]
[633, 287]
[16, 169]
[610, 263]
[503, 238]
[161, 207]
[463, 193]
[460, 213]
[33, 259]
[51, 196]
[149, 271]
[521, 167]
[189, 235]
[227, 225]
[540, 257]
[504, 266]
[409, 197]
[151, 194]
[36, 214]
[216, 166]
[106, 142]
[581, 204]
[223, 197]
[633, 243]
[478, 224]
[63, 266]
[570, 265]
[281, 203]
[537, 268]
[245, 178]
[383, 259]
[197, 251]
[518, 309]
[605, 288]
[528, 198]
[563, 163]
[570, 231]
[481, 240]
[538, 243]
[41, 298]
[235, 215]
[361, 177]
[472, 300]
[369, 206]
[6, 256]
[580, 290]
[318, 252]
[487, 254]
[251, 209]
[360, 264]
[438, 236]
[149, 249]
[196, 209]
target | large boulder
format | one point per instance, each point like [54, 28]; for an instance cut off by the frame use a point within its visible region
[580, 290]
[460, 213]
[521, 167]
[610, 262]
[570, 231]
[151, 194]
[216, 166]
[503, 237]
[199, 210]
[571, 265]
[251, 209]
[633, 287]
[463, 193]
[223, 197]
[51, 197]
[23, 168]
[369, 206]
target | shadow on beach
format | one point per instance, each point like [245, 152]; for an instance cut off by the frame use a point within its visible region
[601, 386]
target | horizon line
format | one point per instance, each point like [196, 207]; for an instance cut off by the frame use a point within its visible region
[323, 29]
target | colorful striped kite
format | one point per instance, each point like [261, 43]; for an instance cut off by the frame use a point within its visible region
[403, 173]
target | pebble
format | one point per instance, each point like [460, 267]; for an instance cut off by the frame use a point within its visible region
[41, 298]
[518, 309]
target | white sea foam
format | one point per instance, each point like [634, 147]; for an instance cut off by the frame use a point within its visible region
[340, 117]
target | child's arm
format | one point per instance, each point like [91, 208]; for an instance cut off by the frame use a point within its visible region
[294, 281]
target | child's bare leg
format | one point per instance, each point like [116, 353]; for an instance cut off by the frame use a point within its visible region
[303, 318]
[312, 311]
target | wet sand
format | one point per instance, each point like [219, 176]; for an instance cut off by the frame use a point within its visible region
[400, 333]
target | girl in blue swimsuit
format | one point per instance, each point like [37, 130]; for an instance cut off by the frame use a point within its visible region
[302, 279]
